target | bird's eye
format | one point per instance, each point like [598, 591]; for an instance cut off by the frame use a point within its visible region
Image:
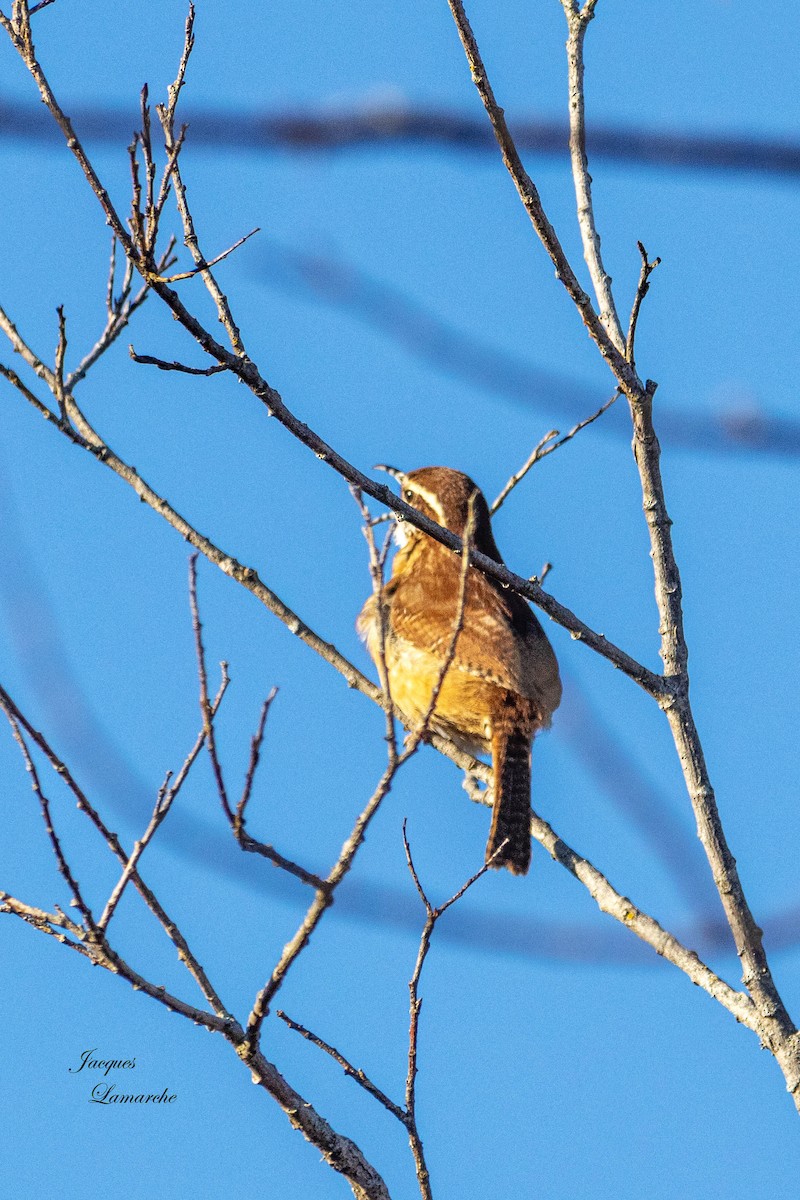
[408, 495]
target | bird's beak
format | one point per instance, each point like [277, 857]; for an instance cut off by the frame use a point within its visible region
[393, 471]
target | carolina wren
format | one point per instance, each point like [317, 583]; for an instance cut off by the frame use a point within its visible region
[502, 685]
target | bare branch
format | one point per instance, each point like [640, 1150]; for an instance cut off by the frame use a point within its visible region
[354, 1072]
[112, 273]
[339, 1152]
[61, 350]
[377, 562]
[244, 839]
[203, 266]
[244, 369]
[205, 703]
[577, 22]
[119, 312]
[100, 954]
[55, 842]
[22, 348]
[320, 904]
[641, 291]
[432, 915]
[162, 365]
[255, 754]
[53, 924]
[542, 449]
[776, 1027]
[529, 196]
[164, 801]
[48, 414]
[112, 841]
[166, 114]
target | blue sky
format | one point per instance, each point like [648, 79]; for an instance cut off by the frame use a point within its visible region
[557, 1057]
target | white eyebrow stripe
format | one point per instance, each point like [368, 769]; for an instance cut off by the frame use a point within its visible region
[429, 498]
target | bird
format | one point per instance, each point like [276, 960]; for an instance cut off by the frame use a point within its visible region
[501, 685]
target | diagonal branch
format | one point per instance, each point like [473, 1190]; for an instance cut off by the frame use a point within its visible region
[546, 446]
[355, 1073]
[244, 369]
[320, 904]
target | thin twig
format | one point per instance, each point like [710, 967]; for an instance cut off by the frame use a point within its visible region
[150, 227]
[205, 703]
[252, 766]
[163, 365]
[166, 114]
[543, 448]
[354, 1072]
[162, 807]
[641, 291]
[377, 562]
[61, 350]
[112, 273]
[203, 266]
[48, 414]
[136, 219]
[166, 178]
[119, 313]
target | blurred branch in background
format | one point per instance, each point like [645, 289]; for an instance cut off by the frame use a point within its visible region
[743, 427]
[373, 122]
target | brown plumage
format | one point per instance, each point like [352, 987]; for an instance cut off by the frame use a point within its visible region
[502, 685]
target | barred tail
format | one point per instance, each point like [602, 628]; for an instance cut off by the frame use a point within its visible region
[511, 759]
